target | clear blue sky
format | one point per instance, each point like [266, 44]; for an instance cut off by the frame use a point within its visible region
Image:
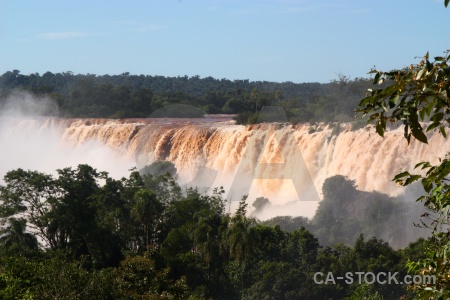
[273, 40]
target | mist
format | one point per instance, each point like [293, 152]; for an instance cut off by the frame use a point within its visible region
[22, 104]
[31, 139]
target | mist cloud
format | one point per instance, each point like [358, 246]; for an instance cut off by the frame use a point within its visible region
[22, 104]
[33, 139]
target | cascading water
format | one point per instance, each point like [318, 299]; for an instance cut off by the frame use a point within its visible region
[279, 161]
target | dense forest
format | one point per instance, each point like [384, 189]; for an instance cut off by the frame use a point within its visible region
[138, 96]
[84, 235]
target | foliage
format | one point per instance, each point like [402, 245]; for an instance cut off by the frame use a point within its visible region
[139, 96]
[418, 96]
[178, 111]
[15, 239]
[437, 201]
[159, 168]
[364, 292]
[181, 246]
[260, 203]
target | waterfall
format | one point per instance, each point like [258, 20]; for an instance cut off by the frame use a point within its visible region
[285, 163]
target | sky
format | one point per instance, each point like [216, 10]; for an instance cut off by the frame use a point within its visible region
[259, 40]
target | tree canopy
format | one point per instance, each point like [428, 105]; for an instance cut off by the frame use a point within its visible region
[82, 234]
[141, 96]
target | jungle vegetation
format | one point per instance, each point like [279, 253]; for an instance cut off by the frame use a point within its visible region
[83, 235]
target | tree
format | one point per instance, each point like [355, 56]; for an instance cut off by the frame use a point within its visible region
[267, 242]
[260, 203]
[241, 240]
[146, 211]
[160, 168]
[75, 217]
[335, 216]
[415, 95]
[29, 197]
[138, 278]
[16, 239]
[301, 247]
[65, 213]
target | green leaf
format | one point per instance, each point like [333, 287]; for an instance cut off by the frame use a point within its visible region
[411, 179]
[380, 129]
[419, 135]
[442, 129]
[401, 175]
[430, 107]
[429, 66]
[393, 101]
[407, 134]
[424, 165]
[377, 77]
[437, 117]
[422, 114]
[446, 2]
[433, 126]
